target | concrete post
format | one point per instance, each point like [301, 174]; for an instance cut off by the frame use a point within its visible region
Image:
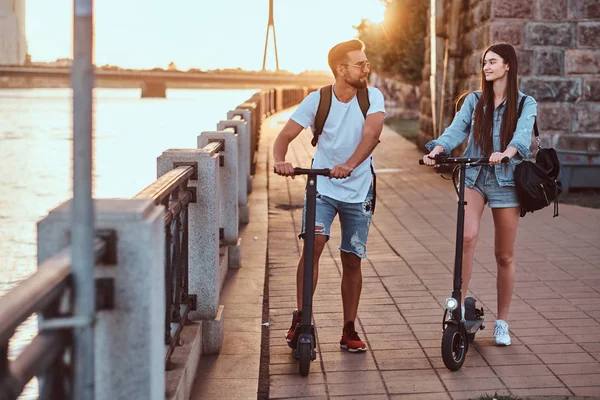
[129, 348]
[247, 117]
[228, 182]
[207, 269]
[241, 129]
[206, 275]
[279, 93]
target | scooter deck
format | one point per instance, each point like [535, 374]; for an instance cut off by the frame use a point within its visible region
[473, 326]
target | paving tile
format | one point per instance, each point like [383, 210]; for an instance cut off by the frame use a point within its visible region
[581, 380]
[575, 369]
[299, 390]
[466, 373]
[533, 340]
[296, 379]
[364, 364]
[505, 371]
[512, 359]
[421, 396]
[371, 387]
[566, 358]
[412, 381]
[556, 348]
[228, 366]
[378, 342]
[591, 391]
[473, 394]
[456, 385]
[532, 382]
[533, 393]
[233, 388]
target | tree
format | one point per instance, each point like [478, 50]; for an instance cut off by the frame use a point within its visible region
[397, 46]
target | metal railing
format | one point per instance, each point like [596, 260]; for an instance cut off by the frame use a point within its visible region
[171, 190]
[48, 292]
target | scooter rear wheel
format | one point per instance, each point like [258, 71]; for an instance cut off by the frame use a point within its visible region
[304, 351]
[454, 347]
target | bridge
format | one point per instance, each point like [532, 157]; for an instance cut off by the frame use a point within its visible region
[155, 83]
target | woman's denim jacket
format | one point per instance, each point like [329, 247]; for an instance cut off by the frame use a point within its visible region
[462, 126]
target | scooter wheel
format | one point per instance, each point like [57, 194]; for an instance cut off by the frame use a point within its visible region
[304, 352]
[454, 347]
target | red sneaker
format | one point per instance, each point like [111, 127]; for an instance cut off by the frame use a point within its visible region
[291, 337]
[350, 339]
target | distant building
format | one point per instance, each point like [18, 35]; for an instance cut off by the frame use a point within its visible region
[13, 39]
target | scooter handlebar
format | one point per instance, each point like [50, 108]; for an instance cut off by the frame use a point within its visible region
[309, 171]
[442, 158]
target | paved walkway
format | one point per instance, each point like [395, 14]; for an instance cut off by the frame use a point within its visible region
[554, 318]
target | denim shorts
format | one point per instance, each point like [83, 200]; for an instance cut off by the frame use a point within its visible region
[355, 220]
[495, 195]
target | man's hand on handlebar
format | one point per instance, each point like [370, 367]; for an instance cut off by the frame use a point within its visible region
[284, 168]
[496, 158]
[341, 171]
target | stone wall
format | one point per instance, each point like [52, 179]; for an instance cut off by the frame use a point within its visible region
[558, 44]
[401, 99]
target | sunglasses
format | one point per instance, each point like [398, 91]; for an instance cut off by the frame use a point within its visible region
[362, 65]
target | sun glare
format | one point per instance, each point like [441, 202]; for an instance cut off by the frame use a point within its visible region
[375, 12]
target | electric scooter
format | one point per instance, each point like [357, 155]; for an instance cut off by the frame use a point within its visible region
[459, 332]
[306, 343]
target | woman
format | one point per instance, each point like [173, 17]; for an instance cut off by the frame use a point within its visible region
[489, 118]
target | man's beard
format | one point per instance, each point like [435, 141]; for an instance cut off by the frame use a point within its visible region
[358, 83]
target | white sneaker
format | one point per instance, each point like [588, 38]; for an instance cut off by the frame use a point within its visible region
[501, 336]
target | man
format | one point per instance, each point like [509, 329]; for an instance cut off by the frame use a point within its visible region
[345, 146]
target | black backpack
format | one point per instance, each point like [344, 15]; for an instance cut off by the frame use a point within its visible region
[537, 183]
[323, 112]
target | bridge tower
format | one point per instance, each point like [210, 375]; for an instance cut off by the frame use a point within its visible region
[271, 24]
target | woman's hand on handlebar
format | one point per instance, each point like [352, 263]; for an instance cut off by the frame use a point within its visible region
[496, 158]
[341, 171]
[284, 168]
[428, 159]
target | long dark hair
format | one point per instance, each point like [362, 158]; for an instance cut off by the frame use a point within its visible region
[484, 119]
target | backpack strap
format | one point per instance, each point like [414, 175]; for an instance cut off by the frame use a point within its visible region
[363, 100]
[521, 103]
[535, 128]
[322, 113]
[364, 103]
[462, 99]
[374, 183]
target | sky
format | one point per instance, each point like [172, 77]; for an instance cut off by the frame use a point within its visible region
[205, 34]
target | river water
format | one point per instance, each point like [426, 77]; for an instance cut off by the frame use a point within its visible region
[36, 159]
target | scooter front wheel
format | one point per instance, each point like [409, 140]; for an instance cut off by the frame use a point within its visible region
[454, 347]
[304, 353]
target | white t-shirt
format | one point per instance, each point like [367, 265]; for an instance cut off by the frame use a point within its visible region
[341, 135]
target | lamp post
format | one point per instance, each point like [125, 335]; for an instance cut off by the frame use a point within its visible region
[82, 223]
